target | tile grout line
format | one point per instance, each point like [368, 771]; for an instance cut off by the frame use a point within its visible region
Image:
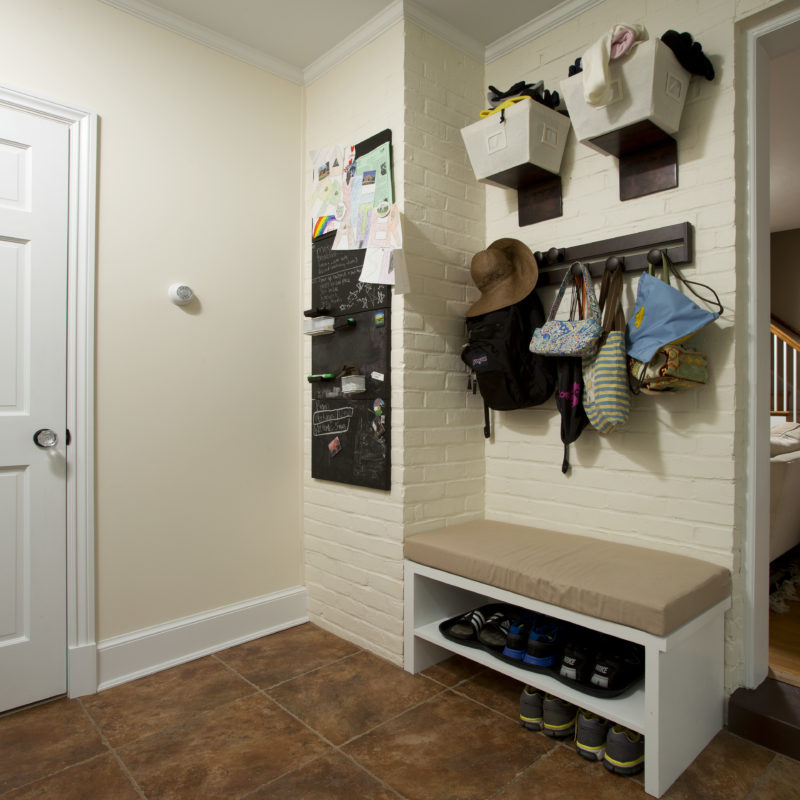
[286, 680]
[53, 774]
[753, 793]
[484, 705]
[338, 748]
[518, 776]
[122, 765]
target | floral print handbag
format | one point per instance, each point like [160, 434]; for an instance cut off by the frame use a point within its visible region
[572, 337]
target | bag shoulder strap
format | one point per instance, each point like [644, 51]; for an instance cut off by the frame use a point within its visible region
[584, 285]
[667, 266]
[559, 295]
[611, 299]
[594, 311]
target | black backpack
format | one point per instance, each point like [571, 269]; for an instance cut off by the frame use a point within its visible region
[508, 374]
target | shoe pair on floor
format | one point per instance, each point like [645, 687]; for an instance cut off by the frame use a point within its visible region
[621, 750]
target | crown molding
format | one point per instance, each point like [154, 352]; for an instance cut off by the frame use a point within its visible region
[205, 36]
[359, 38]
[435, 25]
[537, 27]
[395, 12]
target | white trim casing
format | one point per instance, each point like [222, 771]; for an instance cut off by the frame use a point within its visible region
[762, 42]
[134, 655]
[82, 212]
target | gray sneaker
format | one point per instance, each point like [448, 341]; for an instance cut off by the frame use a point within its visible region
[624, 751]
[530, 708]
[590, 735]
[558, 717]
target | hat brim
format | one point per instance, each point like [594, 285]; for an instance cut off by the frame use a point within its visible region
[516, 286]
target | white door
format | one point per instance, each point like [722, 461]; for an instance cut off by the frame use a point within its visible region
[34, 163]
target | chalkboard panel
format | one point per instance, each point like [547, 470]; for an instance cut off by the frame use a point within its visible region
[334, 280]
[350, 434]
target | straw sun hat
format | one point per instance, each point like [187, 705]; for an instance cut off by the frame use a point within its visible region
[505, 272]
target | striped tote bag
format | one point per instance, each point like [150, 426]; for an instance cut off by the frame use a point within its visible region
[606, 392]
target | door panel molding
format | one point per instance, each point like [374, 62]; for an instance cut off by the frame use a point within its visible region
[82, 124]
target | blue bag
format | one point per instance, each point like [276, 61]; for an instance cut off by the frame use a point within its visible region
[663, 315]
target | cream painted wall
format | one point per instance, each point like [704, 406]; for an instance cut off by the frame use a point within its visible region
[198, 410]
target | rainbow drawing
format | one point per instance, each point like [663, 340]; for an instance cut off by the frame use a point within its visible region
[323, 225]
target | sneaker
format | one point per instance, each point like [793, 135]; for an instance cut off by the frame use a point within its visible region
[578, 659]
[558, 717]
[530, 708]
[617, 664]
[543, 643]
[590, 735]
[517, 639]
[624, 751]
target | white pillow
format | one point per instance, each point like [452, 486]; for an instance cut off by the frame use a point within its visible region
[784, 438]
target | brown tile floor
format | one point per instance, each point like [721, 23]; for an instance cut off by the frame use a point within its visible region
[303, 714]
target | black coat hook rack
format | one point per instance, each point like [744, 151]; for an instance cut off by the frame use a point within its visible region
[630, 251]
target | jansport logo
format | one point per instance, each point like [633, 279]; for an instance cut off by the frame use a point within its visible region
[480, 361]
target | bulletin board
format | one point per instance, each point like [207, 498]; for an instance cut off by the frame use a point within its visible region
[350, 433]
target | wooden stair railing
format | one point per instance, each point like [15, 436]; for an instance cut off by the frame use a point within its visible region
[785, 345]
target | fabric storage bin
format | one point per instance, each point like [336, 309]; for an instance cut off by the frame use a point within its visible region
[527, 133]
[648, 84]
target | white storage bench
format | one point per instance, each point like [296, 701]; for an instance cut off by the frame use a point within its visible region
[672, 605]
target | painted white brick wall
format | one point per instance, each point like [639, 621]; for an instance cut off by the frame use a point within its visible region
[425, 91]
[622, 486]
[668, 481]
[443, 453]
[353, 535]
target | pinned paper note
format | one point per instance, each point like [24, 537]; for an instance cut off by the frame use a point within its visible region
[375, 167]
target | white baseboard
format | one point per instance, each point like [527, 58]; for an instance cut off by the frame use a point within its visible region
[133, 655]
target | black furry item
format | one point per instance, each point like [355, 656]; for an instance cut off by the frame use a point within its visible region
[689, 53]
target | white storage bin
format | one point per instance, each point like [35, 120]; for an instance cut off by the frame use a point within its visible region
[648, 84]
[532, 133]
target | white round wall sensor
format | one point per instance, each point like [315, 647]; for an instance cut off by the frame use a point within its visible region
[180, 294]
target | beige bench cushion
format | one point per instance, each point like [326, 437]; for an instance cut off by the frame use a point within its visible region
[644, 589]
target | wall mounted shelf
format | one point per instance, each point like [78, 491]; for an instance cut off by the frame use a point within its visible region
[648, 158]
[631, 251]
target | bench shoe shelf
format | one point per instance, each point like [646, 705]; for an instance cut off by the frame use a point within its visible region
[678, 706]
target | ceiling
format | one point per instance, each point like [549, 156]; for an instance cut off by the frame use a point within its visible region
[297, 40]
[310, 28]
[310, 36]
